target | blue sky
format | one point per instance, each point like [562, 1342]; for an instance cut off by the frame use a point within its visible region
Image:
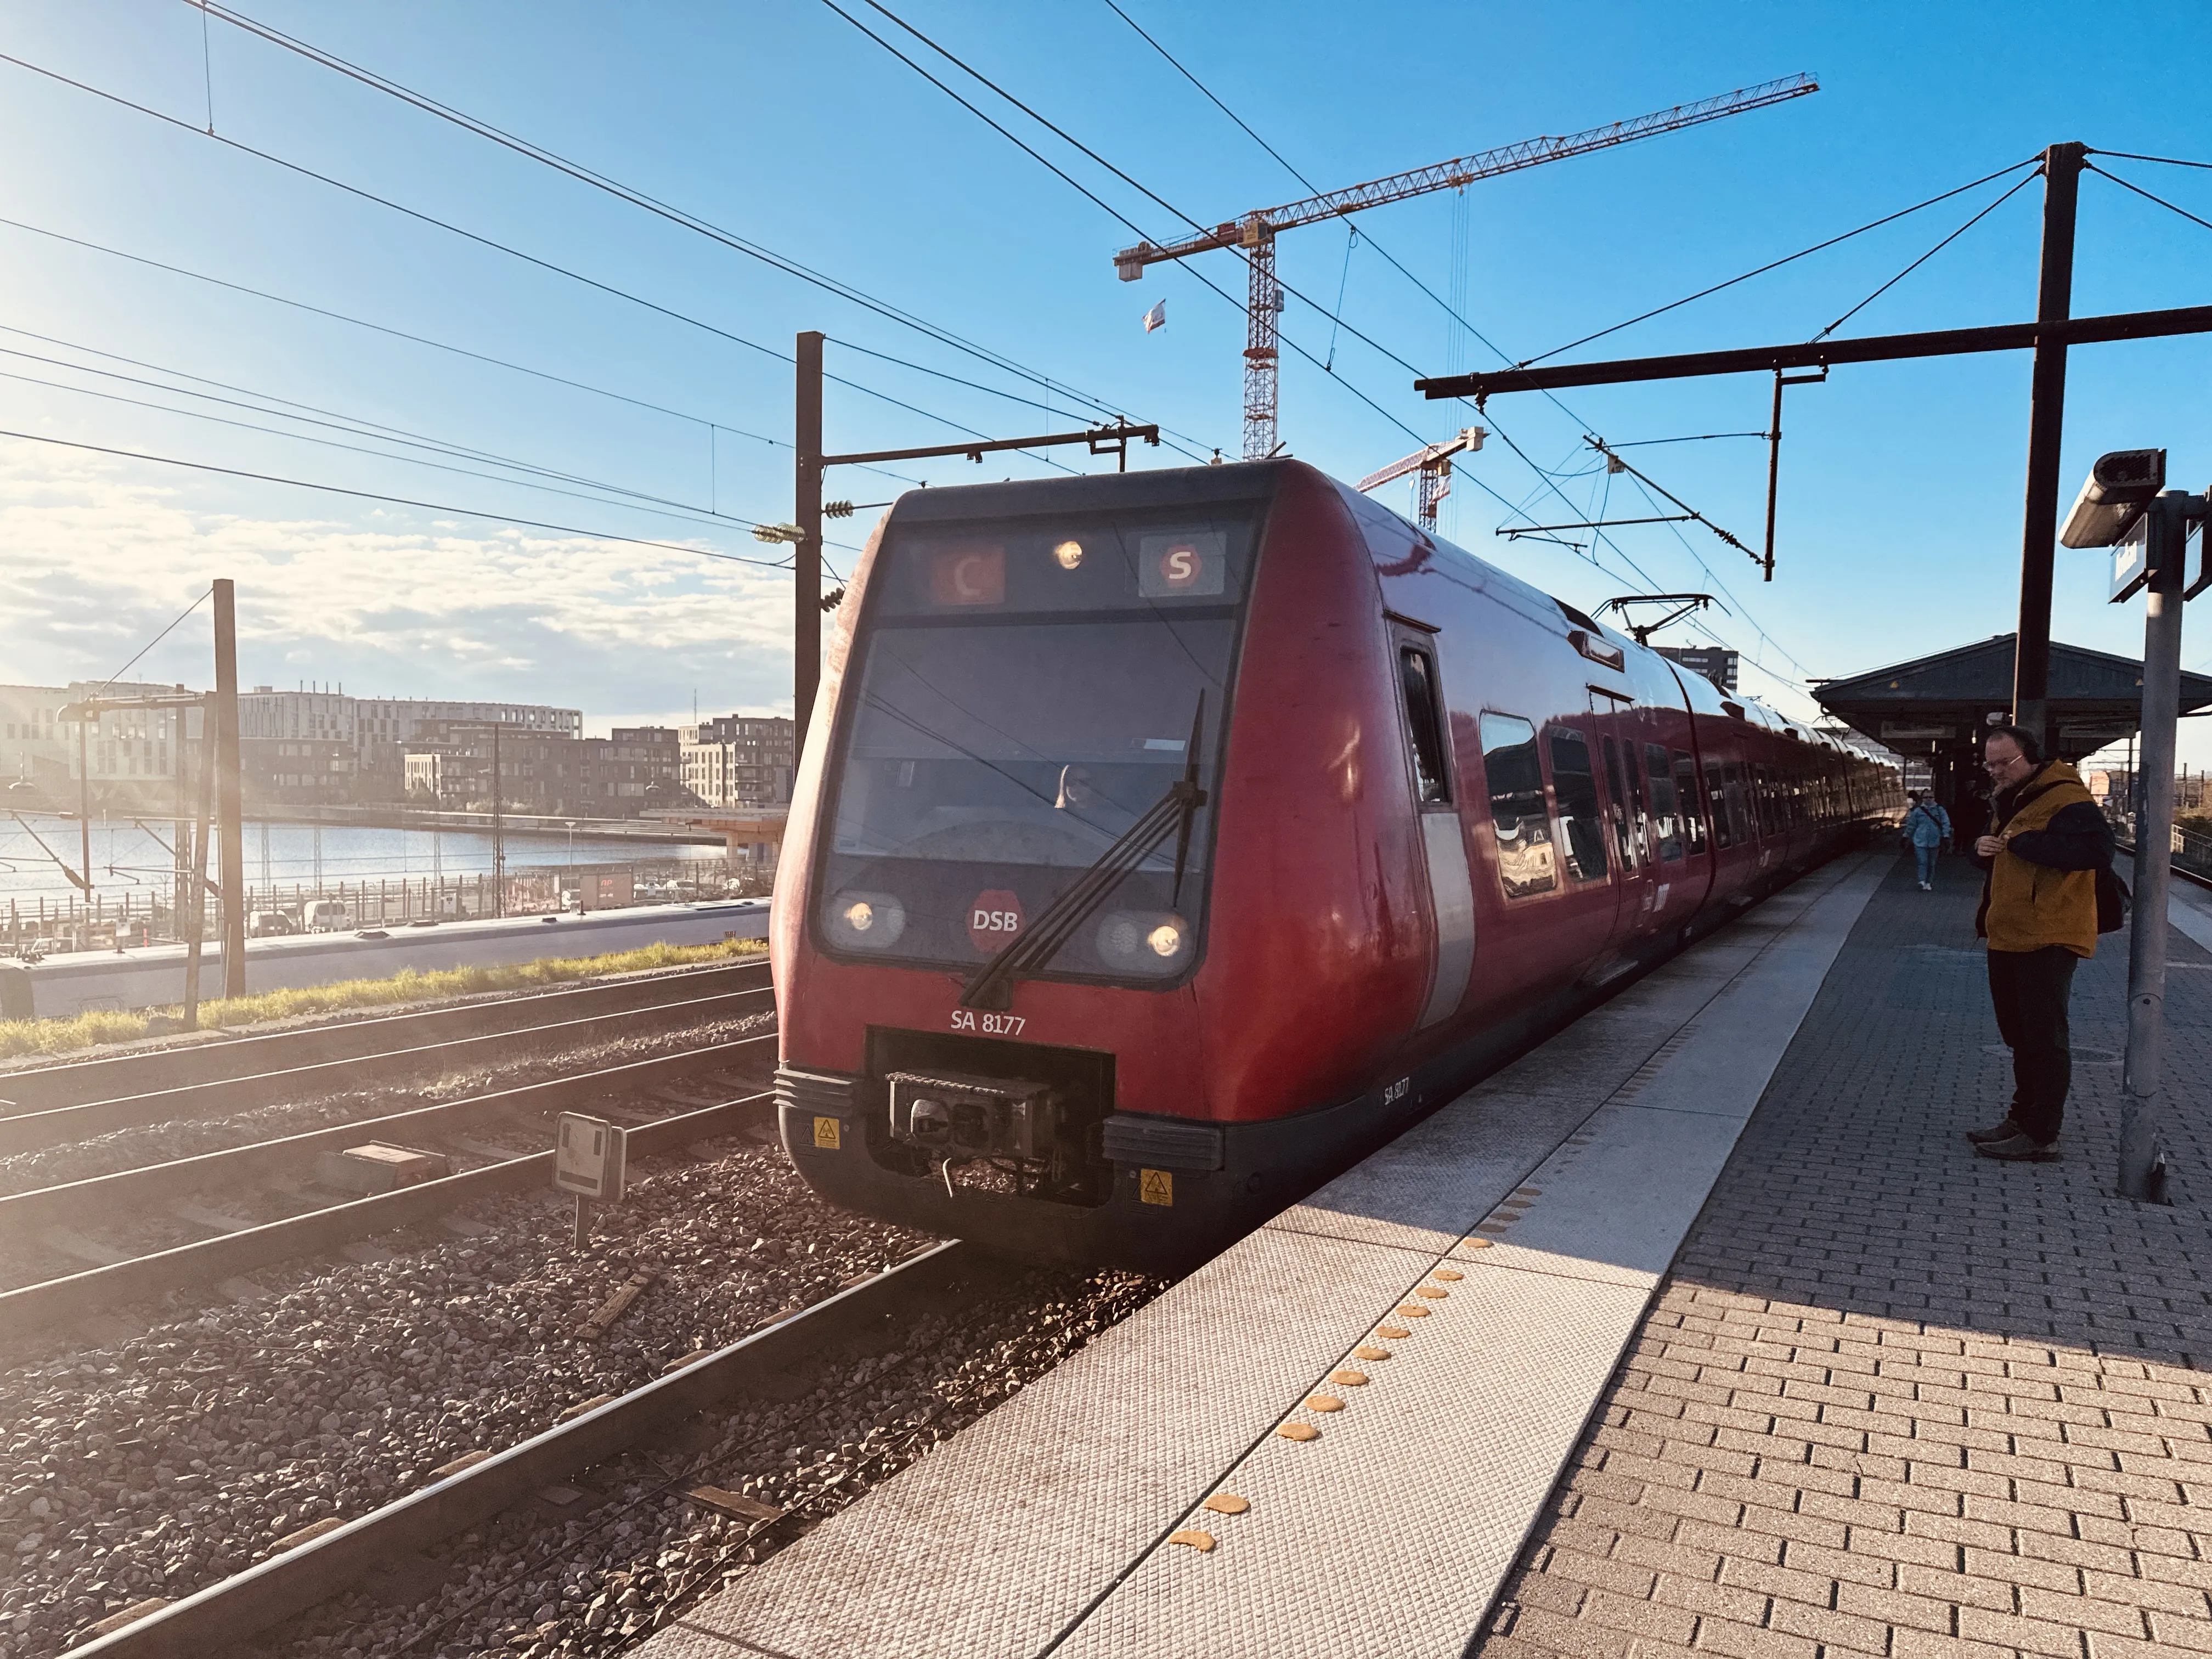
[780, 121]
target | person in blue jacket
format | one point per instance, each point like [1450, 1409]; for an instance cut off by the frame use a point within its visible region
[1927, 828]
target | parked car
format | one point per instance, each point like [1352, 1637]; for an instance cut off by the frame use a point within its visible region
[268, 924]
[325, 916]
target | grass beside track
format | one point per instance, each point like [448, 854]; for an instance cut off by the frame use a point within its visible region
[55, 1037]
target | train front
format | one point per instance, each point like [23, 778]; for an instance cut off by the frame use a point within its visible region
[994, 894]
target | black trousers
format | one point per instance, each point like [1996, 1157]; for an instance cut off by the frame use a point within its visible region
[2030, 989]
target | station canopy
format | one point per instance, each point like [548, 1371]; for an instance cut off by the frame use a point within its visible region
[1944, 703]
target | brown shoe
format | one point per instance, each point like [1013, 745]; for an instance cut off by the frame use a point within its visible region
[2021, 1149]
[2004, 1131]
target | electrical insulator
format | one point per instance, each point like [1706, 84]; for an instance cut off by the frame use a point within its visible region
[775, 532]
[833, 598]
[836, 510]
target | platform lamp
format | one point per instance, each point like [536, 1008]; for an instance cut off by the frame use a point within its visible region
[2126, 507]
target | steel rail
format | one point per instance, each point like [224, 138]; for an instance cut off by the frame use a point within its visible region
[254, 1248]
[152, 1182]
[43, 1087]
[27, 1132]
[223, 1617]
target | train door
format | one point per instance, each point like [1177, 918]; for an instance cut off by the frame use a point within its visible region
[1585, 920]
[1619, 724]
[1443, 836]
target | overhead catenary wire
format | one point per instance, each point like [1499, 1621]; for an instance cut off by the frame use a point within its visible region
[1452, 312]
[150, 644]
[1776, 265]
[637, 504]
[483, 241]
[2147, 197]
[705, 421]
[355, 425]
[396, 500]
[2022, 183]
[692, 222]
[1067, 138]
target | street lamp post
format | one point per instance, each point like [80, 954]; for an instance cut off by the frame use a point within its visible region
[2125, 506]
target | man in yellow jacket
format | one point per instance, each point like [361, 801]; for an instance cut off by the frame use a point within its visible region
[2047, 841]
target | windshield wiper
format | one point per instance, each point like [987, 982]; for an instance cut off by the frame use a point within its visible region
[993, 986]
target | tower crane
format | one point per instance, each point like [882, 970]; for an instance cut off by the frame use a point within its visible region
[1255, 232]
[1433, 463]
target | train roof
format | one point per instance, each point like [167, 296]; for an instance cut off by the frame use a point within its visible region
[1255, 480]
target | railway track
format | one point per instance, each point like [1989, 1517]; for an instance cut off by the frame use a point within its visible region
[382, 1039]
[228, 1614]
[36, 1128]
[49, 1218]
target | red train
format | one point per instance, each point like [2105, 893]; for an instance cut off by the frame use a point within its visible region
[1167, 841]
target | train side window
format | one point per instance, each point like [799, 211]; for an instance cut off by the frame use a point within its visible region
[1619, 810]
[1416, 679]
[1739, 815]
[1691, 802]
[1575, 786]
[1526, 861]
[1716, 812]
[1639, 815]
[1664, 810]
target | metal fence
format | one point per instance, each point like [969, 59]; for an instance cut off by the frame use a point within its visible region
[2192, 851]
[144, 915]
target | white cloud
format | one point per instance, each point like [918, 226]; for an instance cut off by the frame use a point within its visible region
[100, 555]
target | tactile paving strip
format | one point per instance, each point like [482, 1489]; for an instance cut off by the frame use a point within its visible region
[993, 1542]
[1046, 1528]
[1379, 1537]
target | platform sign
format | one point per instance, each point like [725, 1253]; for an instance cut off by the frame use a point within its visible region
[589, 1157]
[2132, 561]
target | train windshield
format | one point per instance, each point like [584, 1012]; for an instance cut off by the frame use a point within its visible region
[1023, 696]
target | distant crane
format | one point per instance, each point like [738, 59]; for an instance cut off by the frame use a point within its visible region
[1433, 463]
[1256, 231]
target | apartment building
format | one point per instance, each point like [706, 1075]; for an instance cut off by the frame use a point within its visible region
[740, 760]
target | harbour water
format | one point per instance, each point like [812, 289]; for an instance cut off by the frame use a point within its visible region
[130, 854]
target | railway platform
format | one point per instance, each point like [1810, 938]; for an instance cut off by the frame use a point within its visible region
[1698, 1330]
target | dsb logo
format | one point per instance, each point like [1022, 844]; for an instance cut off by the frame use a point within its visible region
[993, 920]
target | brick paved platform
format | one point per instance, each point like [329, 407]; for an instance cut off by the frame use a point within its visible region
[1895, 1399]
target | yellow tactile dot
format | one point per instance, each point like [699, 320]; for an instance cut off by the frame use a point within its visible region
[1528, 1192]
[1476, 1243]
[1409, 1311]
[1370, 1352]
[1200, 1541]
[1448, 1272]
[1392, 1332]
[1324, 1402]
[1347, 1379]
[1298, 1432]
[1228, 1503]
[1434, 1292]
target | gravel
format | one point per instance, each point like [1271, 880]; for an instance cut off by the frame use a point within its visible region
[161, 1463]
[25, 1261]
[536, 1587]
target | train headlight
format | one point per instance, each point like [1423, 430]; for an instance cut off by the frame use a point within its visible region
[1141, 942]
[865, 922]
[1070, 554]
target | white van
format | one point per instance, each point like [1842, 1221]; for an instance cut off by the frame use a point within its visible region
[325, 916]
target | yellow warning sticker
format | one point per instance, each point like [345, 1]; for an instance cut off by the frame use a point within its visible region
[826, 1133]
[1156, 1187]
